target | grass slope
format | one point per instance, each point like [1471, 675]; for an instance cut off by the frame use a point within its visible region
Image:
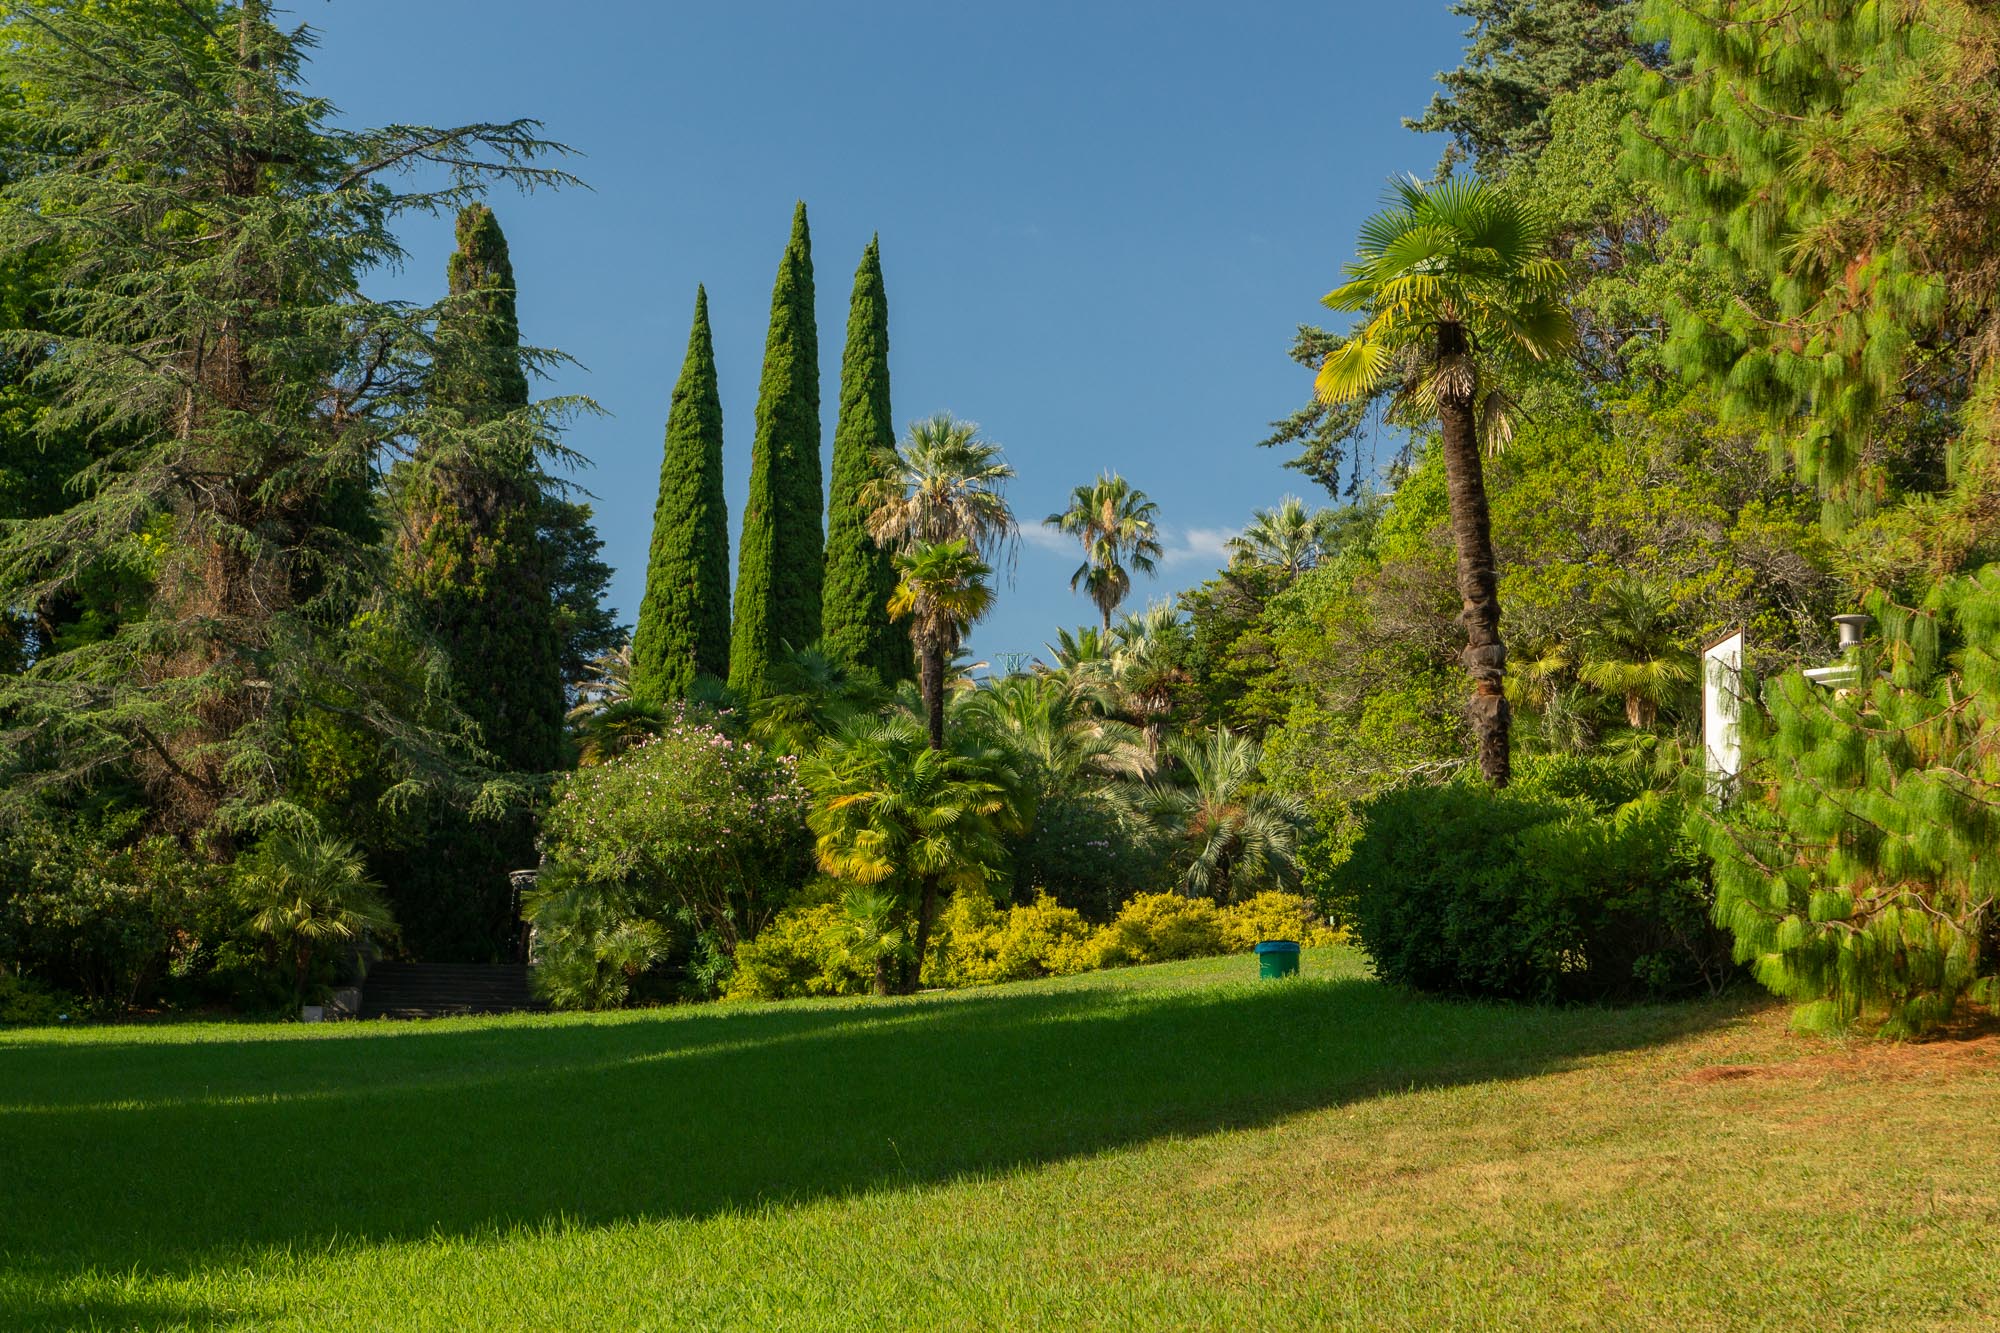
[1163, 1147]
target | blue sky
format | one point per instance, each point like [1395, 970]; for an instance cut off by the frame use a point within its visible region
[1100, 222]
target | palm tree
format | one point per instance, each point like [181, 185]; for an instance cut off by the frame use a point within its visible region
[892, 809]
[812, 694]
[1289, 538]
[1117, 526]
[1632, 651]
[1231, 826]
[618, 727]
[1146, 667]
[1054, 733]
[607, 680]
[1457, 281]
[942, 483]
[305, 892]
[942, 589]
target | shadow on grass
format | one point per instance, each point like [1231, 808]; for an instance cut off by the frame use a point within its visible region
[160, 1158]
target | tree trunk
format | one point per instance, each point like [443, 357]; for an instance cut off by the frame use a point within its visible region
[882, 986]
[1485, 655]
[930, 672]
[926, 911]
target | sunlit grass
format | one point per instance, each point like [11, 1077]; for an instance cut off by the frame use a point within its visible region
[1168, 1147]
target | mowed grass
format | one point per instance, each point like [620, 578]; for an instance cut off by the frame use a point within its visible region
[1169, 1147]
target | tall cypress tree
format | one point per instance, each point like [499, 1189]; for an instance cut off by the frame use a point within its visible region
[782, 559]
[474, 568]
[860, 576]
[684, 620]
[471, 555]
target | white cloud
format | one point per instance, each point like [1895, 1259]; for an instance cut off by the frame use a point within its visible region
[1047, 539]
[1203, 548]
[1208, 546]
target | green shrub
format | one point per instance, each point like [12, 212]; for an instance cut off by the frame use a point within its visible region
[687, 843]
[1535, 892]
[24, 1004]
[591, 943]
[1089, 855]
[89, 907]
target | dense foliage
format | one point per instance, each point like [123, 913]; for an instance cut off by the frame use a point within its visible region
[692, 830]
[860, 572]
[781, 558]
[1553, 890]
[683, 630]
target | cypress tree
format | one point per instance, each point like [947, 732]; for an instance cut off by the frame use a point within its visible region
[781, 561]
[684, 620]
[861, 576]
[471, 557]
[474, 569]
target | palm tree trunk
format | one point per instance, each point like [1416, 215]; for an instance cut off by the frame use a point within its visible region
[930, 673]
[926, 910]
[1485, 655]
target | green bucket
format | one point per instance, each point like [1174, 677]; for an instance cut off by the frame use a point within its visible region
[1277, 958]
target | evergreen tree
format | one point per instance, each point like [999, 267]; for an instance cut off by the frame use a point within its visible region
[474, 570]
[211, 232]
[684, 621]
[782, 558]
[860, 574]
[471, 559]
[1522, 56]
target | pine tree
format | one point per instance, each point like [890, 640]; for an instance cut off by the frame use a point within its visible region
[684, 621]
[860, 575]
[782, 559]
[1521, 57]
[1857, 870]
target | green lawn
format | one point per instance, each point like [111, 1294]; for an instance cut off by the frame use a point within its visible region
[1168, 1147]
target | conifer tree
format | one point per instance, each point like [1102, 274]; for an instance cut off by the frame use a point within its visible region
[471, 558]
[475, 571]
[208, 323]
[684, 621]
[781, 560]
[861, 575]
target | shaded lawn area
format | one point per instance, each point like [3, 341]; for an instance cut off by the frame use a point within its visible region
[1159, 1147]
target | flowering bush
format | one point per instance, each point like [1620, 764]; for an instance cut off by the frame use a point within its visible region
[692, 827]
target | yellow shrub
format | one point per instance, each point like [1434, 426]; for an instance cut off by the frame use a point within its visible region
[1160, 927]
[979, 944]
[1276, 916]
[803, 951]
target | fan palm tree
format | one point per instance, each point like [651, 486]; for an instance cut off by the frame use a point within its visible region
[1146, 667]
[812, 695]
[1289, 538]
[306, 892]
[942, 589]
[942, 483]
[1457, 282]
[892, 809]
[1633, 651]
[1232, 828]
[1118, 527]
